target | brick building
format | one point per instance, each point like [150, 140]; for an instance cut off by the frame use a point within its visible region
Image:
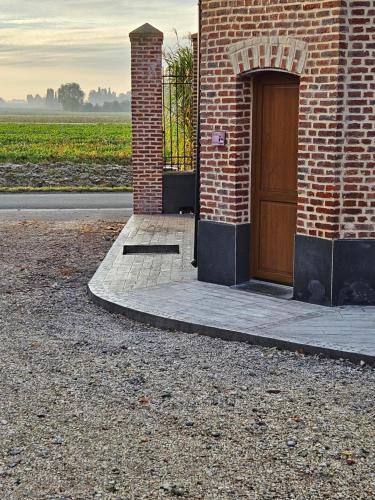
[287, 146]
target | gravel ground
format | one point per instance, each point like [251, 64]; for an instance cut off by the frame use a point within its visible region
[95, 406]
[65, 174]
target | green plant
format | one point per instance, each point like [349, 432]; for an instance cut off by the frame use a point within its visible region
[178, 105]
[48, 143]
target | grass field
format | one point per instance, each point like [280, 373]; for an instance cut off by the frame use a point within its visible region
[48, 116]
[78, 138]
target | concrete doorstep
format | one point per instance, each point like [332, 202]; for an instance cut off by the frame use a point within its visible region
[161, 289]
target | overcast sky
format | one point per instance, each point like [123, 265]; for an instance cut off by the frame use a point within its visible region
[44, 43]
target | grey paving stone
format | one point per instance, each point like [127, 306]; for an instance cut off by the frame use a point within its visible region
[163, 290]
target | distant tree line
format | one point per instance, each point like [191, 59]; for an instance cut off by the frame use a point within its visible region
[70, 97]
[103, 96]
[50, 100]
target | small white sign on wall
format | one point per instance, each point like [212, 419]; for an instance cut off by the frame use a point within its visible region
[219, 138]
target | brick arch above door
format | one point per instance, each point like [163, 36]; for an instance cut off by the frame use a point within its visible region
[275, 52]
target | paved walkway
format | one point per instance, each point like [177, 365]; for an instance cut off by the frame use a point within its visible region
[163, 290]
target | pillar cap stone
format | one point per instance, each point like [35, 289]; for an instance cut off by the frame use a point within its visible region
[146, 30]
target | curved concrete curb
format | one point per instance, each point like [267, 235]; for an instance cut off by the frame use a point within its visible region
[166, 323]
[162, 291]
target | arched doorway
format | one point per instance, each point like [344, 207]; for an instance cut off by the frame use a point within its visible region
[274, 176]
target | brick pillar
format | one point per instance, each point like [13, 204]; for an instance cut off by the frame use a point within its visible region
[147, 118]
[195, 46]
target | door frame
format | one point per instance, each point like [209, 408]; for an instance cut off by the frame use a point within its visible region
[257, 129]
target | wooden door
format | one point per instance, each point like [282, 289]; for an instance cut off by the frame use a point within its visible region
[274, 176]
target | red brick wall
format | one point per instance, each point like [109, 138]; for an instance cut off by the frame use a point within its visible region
[358, 173]
[328, 189]
[147, 121]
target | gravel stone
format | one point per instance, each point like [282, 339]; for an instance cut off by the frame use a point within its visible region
[14, 451]
[65, 174]
[81, 396]
[273, 391]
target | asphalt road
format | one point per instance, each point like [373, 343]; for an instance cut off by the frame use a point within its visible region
[65, 201]
[65, 206]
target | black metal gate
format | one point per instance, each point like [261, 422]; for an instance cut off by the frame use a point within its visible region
[178, 122]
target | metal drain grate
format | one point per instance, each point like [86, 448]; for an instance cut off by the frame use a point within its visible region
[149, 249]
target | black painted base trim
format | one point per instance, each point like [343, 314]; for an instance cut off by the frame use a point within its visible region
[313, 270]
[326, 272]
[178, 192]
[334, 273]
[223, 253]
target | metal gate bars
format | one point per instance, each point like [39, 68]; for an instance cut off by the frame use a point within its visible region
[178, 122]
